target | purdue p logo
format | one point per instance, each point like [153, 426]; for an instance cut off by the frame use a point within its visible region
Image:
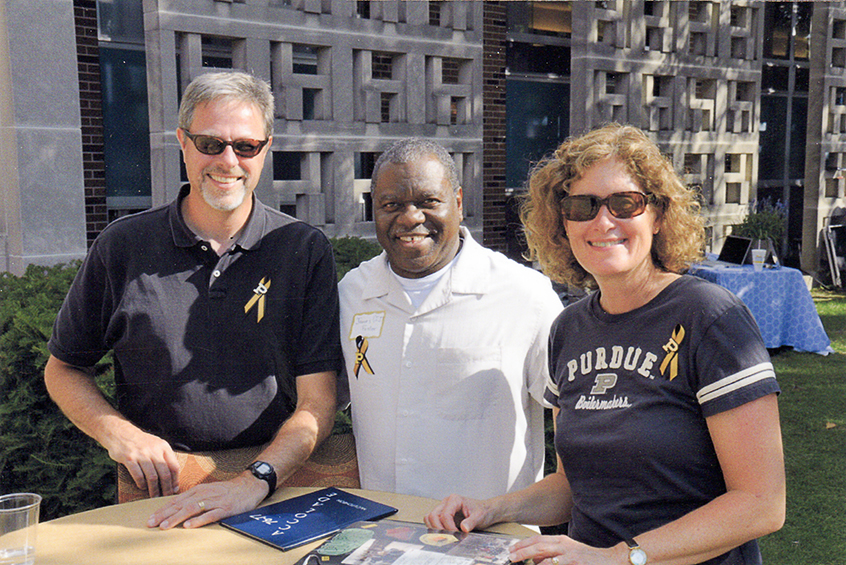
[603, 382]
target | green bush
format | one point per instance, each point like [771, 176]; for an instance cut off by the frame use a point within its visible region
[40, 449]
[351, 251]
[764, 220]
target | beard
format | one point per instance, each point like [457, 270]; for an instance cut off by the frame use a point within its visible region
[224, 200]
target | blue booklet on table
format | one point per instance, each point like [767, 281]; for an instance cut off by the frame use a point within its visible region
[302, 519]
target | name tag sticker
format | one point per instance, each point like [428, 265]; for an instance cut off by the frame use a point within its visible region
[367, 324]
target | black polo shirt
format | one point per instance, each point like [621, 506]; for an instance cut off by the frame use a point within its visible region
[206, 348]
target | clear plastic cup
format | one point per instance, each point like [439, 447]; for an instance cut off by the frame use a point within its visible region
[18, 525]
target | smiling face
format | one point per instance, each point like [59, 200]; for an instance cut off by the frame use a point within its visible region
[224, 182]
[608, 247]
[417, 216]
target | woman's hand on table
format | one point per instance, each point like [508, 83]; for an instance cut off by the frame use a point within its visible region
[209, 503]
[562, 550]
[458, 513]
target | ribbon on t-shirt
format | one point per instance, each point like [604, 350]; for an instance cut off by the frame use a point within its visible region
[259, 293]
[360, 358]
[672, 349]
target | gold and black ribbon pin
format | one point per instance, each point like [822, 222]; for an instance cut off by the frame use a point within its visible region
[360, 357]
[259, 293]
[672, 349]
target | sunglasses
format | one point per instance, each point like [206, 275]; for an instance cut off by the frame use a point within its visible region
[623, 205]
[210, 145]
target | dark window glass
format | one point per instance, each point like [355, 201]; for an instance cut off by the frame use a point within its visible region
[803, 79]
[217, 52]
[364, 163]
[126, 130]
[777, 29]
[774, 79]
[538, 121]
[772, 137]
[802, 37]
[362, 9]
[543, 59]
[286, 165]
[798, 128]
[540, 18]
[304, 59]
[435, 13]
[120, 21]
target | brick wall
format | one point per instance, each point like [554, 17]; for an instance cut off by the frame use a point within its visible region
[493, 174]
[91, 114]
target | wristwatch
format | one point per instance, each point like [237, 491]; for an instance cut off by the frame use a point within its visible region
[264, 471]
[636, 555]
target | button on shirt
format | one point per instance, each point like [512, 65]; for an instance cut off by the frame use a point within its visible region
[447, 397]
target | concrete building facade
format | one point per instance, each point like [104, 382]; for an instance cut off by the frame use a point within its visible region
[497, 83]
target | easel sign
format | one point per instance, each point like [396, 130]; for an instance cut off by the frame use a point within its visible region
[832, 235]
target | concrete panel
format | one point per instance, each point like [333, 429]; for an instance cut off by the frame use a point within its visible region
[52, 203]
[42, 45]
[45, 203]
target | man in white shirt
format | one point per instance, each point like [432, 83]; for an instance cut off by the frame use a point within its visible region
[444, 342]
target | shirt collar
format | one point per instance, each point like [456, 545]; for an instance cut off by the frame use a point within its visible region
[468, 274]
[251, 235]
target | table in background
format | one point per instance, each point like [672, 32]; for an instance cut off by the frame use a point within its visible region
[779, 300]
[118, 535]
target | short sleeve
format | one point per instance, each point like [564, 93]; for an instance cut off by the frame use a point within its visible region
[732, 366]
[79, 332]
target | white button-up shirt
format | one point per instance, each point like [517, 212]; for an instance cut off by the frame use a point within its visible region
[447, 397]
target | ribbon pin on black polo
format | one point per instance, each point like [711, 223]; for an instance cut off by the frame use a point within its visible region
[672, 349]
[360, 358]
[259, 293]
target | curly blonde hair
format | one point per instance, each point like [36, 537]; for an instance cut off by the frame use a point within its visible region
[682, 236]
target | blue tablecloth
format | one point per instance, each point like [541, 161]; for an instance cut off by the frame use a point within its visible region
[779, 301]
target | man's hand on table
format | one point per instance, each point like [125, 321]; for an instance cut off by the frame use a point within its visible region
[149, 459]
[208, 503]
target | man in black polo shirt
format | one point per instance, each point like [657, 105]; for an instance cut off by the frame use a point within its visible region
[222, 314]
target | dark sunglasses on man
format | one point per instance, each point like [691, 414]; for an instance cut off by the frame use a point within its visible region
[623, 205]
[210, 145]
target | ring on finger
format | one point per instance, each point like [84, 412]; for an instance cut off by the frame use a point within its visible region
[554, 561]
[202, 505]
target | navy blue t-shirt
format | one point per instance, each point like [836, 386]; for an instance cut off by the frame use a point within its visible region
[634, 390]
[207, 349]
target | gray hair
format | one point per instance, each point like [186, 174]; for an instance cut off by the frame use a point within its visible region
[233, 85]
[412, 149]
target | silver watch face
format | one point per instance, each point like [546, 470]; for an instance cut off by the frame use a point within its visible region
[262, 468]
[637, 556]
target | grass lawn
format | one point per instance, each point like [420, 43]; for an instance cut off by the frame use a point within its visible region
[813, 421]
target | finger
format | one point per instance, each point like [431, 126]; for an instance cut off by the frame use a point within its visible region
[163, 513]
[173, 467]
[436, 520]
[152, 477]
[166, 478]
[536, 548]
[137, 474]
[180, 511]
[526, 542]
[442, 515]
[205, 518]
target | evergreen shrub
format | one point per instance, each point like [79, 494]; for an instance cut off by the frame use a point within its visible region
[40, 449]
[350, 251]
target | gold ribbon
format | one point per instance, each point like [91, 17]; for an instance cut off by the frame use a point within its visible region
[360, 358]
[672, 349]
[259, 293]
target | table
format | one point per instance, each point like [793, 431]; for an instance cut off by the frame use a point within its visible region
[779, 301]
[117, 535]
